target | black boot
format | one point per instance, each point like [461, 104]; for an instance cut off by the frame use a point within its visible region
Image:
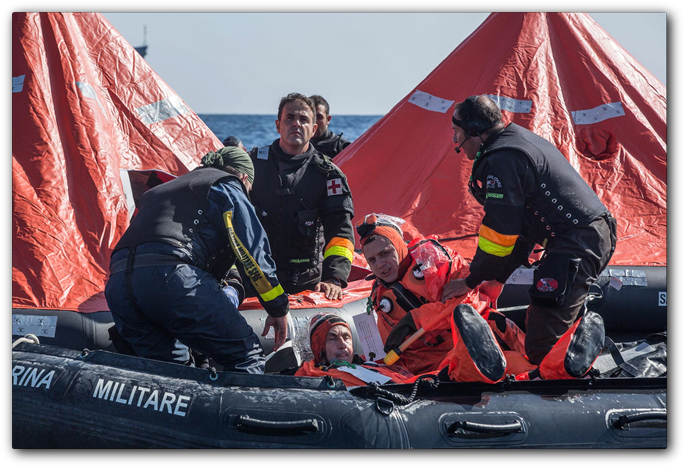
[480, 343]
[586, 345]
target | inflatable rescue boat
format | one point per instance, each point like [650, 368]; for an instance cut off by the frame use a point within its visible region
[84, 149]
[94, 397]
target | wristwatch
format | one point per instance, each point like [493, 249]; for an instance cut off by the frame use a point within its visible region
[335, 281]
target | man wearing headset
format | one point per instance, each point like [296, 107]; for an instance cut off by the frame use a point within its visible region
[532, 195]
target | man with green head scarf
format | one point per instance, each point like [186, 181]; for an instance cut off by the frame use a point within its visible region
[173, 284]
[232, 159]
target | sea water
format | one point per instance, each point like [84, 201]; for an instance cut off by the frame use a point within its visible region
[260, 130]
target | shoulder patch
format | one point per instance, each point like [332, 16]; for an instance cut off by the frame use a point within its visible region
[492, 182]
[334, 187]
[263, 153]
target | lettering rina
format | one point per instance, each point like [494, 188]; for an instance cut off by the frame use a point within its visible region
[144, 398]
[32, 377]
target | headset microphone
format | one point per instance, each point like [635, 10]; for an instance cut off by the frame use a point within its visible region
[458, 148]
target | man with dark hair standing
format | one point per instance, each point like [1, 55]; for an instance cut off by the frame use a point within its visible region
[234, 141]
[531, 195]
[172, 284]
[304, 203]
[324, 140]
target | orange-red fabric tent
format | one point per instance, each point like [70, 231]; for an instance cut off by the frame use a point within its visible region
[86, 108]
[558, 74]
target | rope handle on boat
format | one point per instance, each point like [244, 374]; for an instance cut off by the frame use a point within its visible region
[427, 380]
[30, 338]
[624, 420]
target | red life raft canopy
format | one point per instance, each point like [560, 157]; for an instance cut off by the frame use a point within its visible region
[561, 76]
[86, 108]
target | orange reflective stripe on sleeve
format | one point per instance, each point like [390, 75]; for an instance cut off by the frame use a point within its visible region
[340, 247]
[495, 243]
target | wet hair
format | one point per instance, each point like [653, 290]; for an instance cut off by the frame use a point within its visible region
[481, 109]
[232, 141]
[318, 100]
[296, 97]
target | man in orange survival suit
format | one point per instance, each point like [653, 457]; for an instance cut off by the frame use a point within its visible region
[330, 339]
[475, 342]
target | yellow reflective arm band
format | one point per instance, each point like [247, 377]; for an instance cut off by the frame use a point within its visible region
[339, 251]
[493, 248]
[271, 294]
[339, 246]
[251, 267]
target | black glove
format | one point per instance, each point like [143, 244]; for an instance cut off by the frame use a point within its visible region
[403, 329]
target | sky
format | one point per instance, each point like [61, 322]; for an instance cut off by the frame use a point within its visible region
[362, 63]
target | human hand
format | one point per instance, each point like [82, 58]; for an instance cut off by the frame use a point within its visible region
[492, 289]
[280, 326]
[331, 290]
[455, 288]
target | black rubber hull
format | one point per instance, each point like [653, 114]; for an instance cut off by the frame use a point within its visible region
[638, 307]
[61, 399]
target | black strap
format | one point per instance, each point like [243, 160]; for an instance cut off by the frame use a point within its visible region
[618, 358]
[288, 187]
[407, 300]
[129, 283]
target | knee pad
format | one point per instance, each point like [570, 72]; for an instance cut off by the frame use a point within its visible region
[577, 349]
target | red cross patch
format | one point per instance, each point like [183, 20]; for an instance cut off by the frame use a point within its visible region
[334, 187]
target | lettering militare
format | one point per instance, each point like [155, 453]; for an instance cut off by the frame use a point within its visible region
[112, 391]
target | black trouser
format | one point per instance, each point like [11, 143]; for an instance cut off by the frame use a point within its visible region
[593, 245]
[165, 309]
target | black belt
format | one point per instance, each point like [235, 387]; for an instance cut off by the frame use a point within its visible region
[148, 259]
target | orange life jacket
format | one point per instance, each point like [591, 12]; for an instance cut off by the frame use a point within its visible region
[396, 373]
[418, 292]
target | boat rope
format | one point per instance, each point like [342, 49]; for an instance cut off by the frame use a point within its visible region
[30, 338]
[425, 380]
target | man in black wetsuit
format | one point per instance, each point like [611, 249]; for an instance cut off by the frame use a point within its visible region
[304, 203]
[531, 195]
[324, 140]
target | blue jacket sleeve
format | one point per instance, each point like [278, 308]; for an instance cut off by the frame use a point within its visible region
[248, 240]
